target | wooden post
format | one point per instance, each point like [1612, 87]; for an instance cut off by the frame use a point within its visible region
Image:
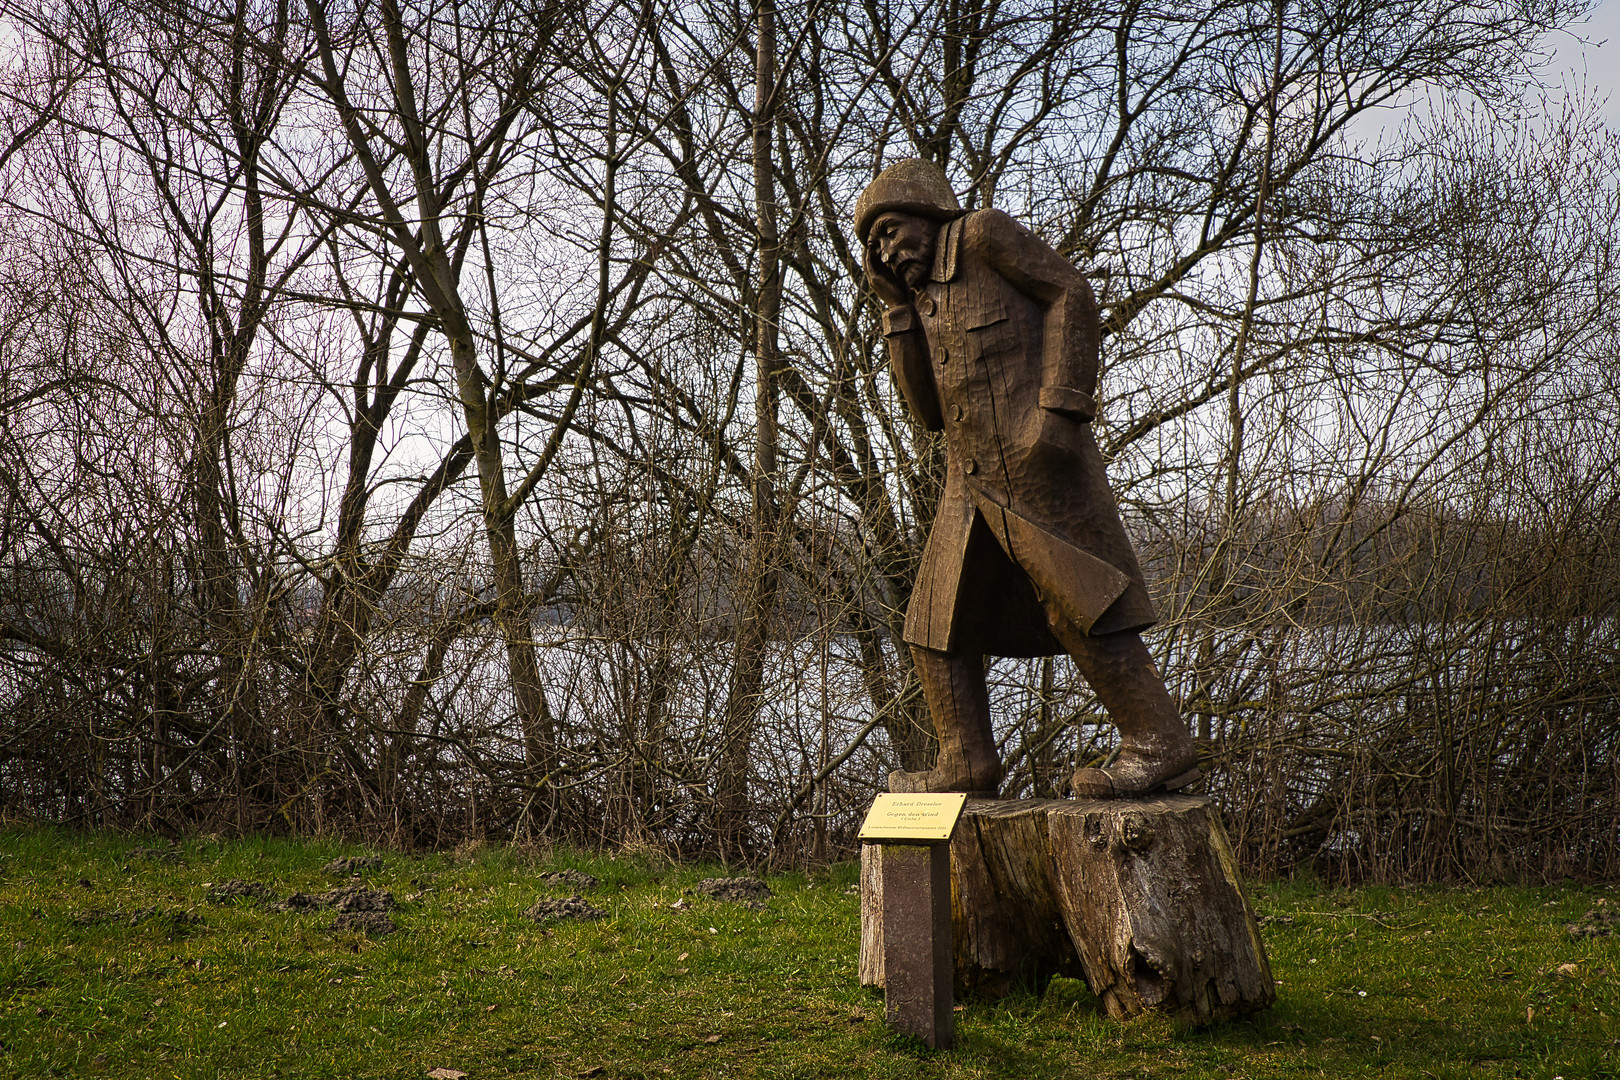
[916, 879]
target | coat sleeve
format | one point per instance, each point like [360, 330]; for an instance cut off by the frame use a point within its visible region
[1069, 360]
[908, 356]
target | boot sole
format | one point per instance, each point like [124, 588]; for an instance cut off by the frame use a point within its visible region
[1085, 790]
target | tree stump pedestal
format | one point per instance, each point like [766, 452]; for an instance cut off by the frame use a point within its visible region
[1140, 897]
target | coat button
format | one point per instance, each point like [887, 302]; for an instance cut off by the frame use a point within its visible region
[970, 466]
[956, 412]
[944, 354]
[925, 304]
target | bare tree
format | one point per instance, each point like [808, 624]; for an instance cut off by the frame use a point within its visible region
[340, 263]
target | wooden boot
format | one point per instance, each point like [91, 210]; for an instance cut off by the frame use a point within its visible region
[1156, 753]
[959, 705]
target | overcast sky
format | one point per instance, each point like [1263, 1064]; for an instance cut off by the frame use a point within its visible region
[1594, 63]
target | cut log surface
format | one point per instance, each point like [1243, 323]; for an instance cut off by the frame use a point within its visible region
[1140, 897]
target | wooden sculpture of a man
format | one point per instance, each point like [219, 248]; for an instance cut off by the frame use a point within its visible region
[993, 338]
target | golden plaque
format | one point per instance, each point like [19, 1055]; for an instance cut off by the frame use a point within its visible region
[901, 818]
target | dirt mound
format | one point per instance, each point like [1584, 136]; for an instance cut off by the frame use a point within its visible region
[354, 898]
[551, 909]
[359, 864]
[750, 892]
[348, 898]
[1601, 921]
[298, 902]
[576, 880]
[370, 923]
[236, 888]
[361, 909]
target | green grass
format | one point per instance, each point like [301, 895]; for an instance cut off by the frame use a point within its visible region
[1374, 982]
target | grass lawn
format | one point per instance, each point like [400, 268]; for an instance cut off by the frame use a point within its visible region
[128, 965]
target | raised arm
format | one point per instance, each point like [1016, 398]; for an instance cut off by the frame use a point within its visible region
[908, 346]
[1069, 363]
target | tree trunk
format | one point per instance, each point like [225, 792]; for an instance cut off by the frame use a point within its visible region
[1140, 897]
[511, 616]
[753, 629]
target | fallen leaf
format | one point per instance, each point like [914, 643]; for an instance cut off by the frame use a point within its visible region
[1568, 971]
[681, 957]
[712, 1039]
[491, 1008]
[446, 1074]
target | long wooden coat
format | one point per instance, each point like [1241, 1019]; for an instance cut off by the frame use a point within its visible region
[1000, 350]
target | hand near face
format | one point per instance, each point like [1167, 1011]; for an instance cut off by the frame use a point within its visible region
[890, 289]
[904, 245]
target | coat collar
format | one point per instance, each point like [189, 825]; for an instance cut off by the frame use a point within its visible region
[947, 251]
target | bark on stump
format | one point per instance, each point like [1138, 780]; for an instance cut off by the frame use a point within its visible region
[1139, 897]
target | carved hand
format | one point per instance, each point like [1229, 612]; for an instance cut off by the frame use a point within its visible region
[890, 289]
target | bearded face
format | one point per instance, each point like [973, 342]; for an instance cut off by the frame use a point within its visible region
[905, 244]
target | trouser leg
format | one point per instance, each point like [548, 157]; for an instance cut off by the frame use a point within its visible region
[1156, 752]
[959, 705]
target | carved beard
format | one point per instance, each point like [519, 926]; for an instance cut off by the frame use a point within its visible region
[914, 272]
[917, 263]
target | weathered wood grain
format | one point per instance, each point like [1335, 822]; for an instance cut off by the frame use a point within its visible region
[1140, 897]
[871, 962]
[1152, 898]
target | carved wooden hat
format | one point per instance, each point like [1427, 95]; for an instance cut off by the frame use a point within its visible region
[912, 186]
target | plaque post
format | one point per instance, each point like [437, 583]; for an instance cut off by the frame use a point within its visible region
[917, 942]
[915, 879]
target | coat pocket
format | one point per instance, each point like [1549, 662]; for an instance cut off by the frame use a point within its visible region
[985, 330]
[982, 310]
